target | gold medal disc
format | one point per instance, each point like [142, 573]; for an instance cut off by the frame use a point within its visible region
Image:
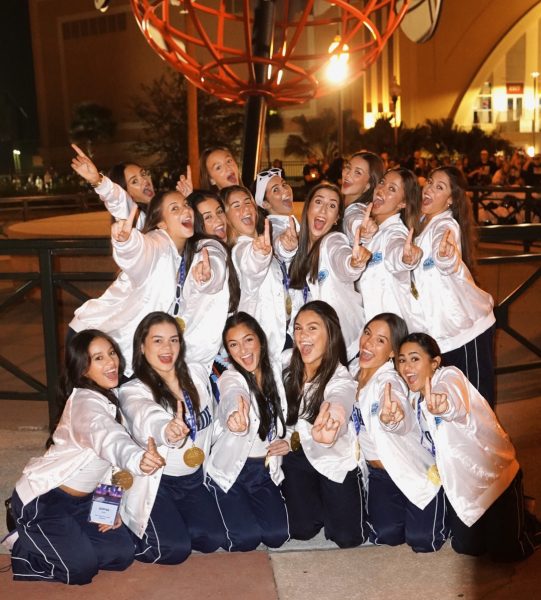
[181, 323]
[194, 456]
[289, 305]
[357, 451]
[295, 442]
[123, 479]
[434, 475]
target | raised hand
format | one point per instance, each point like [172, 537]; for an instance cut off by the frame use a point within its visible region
[185, 184]
[359, 254]
[447, 247]
[84, 167]
[391, 413]
[121, 230]
[437, 404]
[152, 460]
[202, 271]
[238, 421]
[289, 238]
[177, 429]
[411, 253]
[325, 428]
[368, 227]
[262, 243]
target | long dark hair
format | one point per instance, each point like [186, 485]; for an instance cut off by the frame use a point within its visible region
[77, 363]
[462, 213]
[375, 164]
[194, 199]
[306, 261]
[154, 211]
[294, 376]
[145, 373]
[267, 396]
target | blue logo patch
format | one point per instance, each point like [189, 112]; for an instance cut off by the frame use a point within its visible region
[374, 408]
[322, 275]
[428, 263]
[437, 420]
[377, 257]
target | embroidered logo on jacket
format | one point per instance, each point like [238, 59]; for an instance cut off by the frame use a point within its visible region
[374, 408]
[428, 263]
[322, 275]
[377, 257]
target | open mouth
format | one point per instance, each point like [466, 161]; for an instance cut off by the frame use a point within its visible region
[319, 224]
[166, 359]
[248, 361]
[378, 201]
[248, 220]
[220, 232]
[366, 356]
[305, 348]
[148, 191]
[112, 375]
[233, 179]
[187, 222]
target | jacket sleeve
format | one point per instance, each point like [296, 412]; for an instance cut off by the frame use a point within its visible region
[447, 266]
[93, 426]
[252, 266]
[340, 393]
[398, 394]
[353, 218]
[231, 385]
[116, 199]
[138, 255]
[455, 385]
[144, 417]
[218, 268]
[394, 250]
[339, 253]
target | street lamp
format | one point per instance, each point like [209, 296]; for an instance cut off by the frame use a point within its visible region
[395, 90]
[535, 75]
[337, 72]
[17, 160]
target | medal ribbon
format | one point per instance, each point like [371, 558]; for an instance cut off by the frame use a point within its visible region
[423, 435]
[191, 421]
[305, 293]
[356, 418]
[180, 284]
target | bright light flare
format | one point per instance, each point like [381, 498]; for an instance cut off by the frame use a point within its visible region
[337, 69]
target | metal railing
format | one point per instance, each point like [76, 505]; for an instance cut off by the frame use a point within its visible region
[49, 280]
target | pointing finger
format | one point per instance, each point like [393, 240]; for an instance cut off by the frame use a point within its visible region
[267, 233]
[78, 151]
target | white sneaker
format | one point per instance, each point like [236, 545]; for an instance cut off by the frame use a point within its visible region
[10, 539]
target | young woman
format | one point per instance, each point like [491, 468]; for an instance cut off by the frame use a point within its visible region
[264, 288]
[475, 458]
[450, 305]
[405, 501]
[51, 504]
[360, 175]
[127, 185]
[325, 266]
[322, 485]
[385, 284]
[218, 168]
[152, 278]
[172, 512]
[244, 471]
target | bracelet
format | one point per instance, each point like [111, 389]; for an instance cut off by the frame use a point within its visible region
[95, 185]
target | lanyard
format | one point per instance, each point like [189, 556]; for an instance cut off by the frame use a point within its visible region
[285, 276]
[305, 293]
[190, 417]
[357, 419]
[425, 434]
[180, 284]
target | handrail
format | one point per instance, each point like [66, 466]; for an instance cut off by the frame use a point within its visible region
[49, 280]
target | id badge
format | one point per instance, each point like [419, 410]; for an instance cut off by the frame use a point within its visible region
[105, 504]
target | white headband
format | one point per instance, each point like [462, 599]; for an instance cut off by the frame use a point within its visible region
[261, 183]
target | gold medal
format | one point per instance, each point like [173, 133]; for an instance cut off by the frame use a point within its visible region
[357, 451]
[289, 305]
[181, 323]
[194, 456]
[295, 442]
[434, 475]
[123, 479]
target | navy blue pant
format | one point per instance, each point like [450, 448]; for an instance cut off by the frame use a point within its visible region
[57, 542]
[502, 531]
[476, 360]
[253, 510]
[314, 501]
[395, 520]
[184, 517]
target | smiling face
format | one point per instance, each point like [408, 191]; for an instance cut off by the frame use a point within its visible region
[278, 196]
[222, 169]
[375, 345]
[103, 363]
[176, 218]
[311, 339]
[139, 184]
[161, 348]
[244, 348]
[355, 177]
[214, 220]
[415, 365]
[322, 213]
[389, 197]
[241, 212]
[436, 194]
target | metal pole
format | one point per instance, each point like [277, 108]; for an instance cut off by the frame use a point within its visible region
[256, 106]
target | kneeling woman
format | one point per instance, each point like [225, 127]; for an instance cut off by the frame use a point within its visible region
[52, 500]
[475, 457]
[322, 483]
[172, 512]
[405, 499]
[244, 471]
